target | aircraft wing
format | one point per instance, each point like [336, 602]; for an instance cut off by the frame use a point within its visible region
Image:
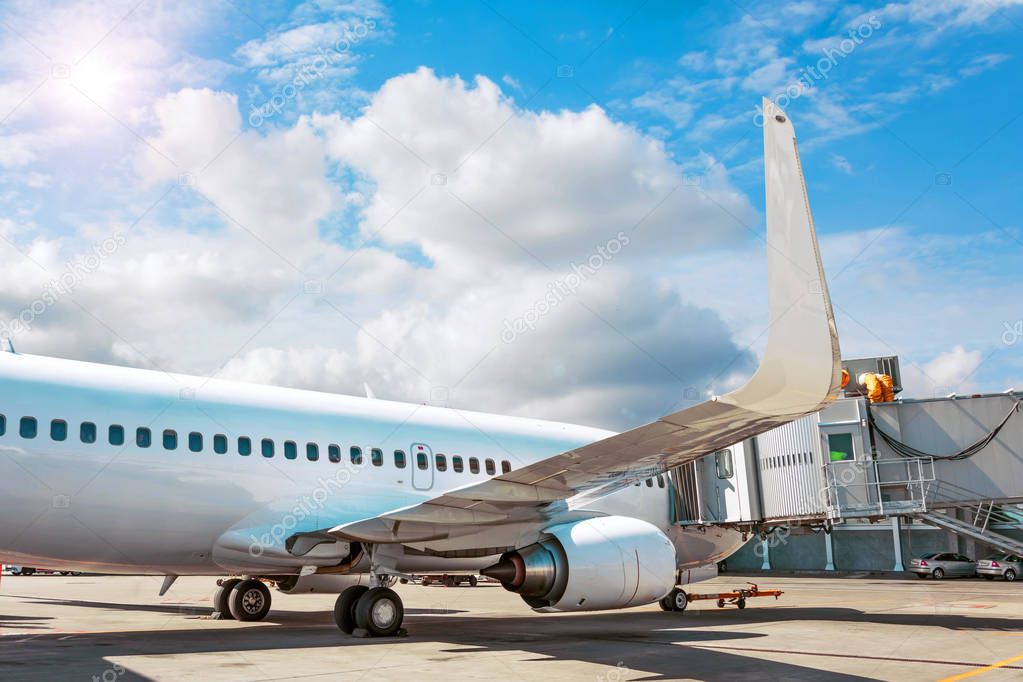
[799, 374]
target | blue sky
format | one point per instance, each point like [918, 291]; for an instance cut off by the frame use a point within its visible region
[323, 193]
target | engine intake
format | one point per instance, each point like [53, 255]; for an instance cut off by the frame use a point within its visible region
[609, 562]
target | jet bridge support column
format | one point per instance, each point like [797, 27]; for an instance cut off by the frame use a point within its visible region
[829, 550]
[897, 543]
[765, 547]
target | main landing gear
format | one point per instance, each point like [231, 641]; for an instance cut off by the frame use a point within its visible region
[245, 600]
[370, 611]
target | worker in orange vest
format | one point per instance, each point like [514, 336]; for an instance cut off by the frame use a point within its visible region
[845, 378]
[879, 387]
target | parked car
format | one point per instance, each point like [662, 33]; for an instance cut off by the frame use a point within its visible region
[939, 565]
[1008, 566]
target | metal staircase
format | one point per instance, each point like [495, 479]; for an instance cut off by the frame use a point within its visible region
[982, 516]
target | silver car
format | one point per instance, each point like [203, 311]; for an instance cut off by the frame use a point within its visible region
[1008, 566]
[939, 565]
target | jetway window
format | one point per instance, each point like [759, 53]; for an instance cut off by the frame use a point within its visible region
[3, 424]
[58, 429]
[505, 466]
[170, 440]
[334, 453]
[491, 467]
[267, 447]
[723, 464]
[422, 461]
[356, 454]
[29, 427]
[220, 444]
[312, 452]
[195, 442]
[840, 446]
[376, 456]
[442, 462]
[399, 459]
[87, 432]
[457, 464]
[244, 446]
[143, 437]
[474, 465]
[290, 450]
[115, 434]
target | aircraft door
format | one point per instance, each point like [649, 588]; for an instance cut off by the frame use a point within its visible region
[422, 466]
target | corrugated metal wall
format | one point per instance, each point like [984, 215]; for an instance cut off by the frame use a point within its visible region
[789, 461]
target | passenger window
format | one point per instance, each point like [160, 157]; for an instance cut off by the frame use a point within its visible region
[220, 444]
[442, 463]
[312, 452]
[422, 461]
[143, 437]
[457, 465]
[195, 442]
[399, 459]
[491, 467]
[88, 432]
[267, 447]
[505, 466]
[376, 455]
[356, 454]
[170, 440]
[115, 434]
[474, 465]
[244, 446]
[660, 481]
[3, 424]
[334, 453]
[58, 429]
[650, 483]
[290, 450]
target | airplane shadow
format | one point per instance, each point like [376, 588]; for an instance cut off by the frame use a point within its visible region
[662, 645]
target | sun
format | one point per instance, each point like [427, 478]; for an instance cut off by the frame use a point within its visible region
[96, 78]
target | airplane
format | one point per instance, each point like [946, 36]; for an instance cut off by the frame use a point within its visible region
[122, 470]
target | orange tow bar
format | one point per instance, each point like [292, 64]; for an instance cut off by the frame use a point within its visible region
[738, 597]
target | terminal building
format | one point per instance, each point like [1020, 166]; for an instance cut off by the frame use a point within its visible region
[866, 487]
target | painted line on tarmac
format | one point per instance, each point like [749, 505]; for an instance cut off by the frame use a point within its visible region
[965, 664]
[987, 668]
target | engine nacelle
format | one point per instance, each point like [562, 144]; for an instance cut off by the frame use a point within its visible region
[326, 583]
[609, 562]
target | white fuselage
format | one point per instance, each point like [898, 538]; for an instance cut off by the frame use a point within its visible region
[75, 495]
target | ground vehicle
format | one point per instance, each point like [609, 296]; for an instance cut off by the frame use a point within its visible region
[939, 565]
[27, 570]
[1008, 566]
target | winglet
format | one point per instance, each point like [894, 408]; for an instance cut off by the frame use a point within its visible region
[801, 368]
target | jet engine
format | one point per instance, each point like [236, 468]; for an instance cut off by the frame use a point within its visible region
[326, 583]
[608, 562]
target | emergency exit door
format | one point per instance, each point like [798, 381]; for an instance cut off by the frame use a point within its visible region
[422, 466]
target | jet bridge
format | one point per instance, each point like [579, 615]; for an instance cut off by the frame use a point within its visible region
[953, 462]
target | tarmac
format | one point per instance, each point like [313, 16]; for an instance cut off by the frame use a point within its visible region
[113, 628]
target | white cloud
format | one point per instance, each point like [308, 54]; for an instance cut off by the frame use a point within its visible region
[949, 372]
